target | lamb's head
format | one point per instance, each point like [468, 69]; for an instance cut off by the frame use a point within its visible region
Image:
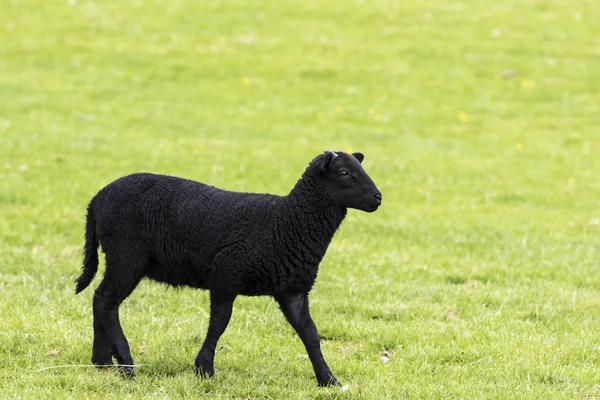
[346, 181]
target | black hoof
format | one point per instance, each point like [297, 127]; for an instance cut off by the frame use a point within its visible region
[331, 382]
[104, 365]
[127, 371]
[101, 358]
[204, 372]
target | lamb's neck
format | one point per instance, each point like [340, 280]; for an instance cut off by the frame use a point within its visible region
[313, 215]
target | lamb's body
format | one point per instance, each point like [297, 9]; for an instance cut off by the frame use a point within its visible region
[185, 233]
[204, 237]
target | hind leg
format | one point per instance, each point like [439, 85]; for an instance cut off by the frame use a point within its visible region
[101, 349]
[121, 277]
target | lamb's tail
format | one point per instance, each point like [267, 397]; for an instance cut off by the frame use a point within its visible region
[90, 260]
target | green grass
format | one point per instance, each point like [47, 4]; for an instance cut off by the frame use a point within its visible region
[480, 274]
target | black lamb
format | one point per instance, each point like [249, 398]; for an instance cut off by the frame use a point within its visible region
[184, 233]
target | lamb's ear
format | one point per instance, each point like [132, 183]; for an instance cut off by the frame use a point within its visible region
[359, 156]
[324, 162]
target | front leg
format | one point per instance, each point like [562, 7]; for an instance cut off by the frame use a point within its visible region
[295, 309]
[220, 313]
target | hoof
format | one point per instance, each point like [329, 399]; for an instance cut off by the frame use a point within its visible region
[205, 372]
[104, 365]
[328, 383]
[102, 359]
[127, 371]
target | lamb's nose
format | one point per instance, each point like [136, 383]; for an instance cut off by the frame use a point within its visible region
[378, 196]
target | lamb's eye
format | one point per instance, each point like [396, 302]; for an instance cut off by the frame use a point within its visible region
[344, 174]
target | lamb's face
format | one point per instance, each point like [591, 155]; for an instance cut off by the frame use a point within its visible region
[348, 183]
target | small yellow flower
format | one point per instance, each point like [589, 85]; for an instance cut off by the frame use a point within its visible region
[339, 109]
[519, 146]
[349, 150]
[464, 118]
[4, 124]
[571, 181]
[372, 110]
[528, 84]
[245, 81]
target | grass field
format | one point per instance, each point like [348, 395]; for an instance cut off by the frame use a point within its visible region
[478, 278]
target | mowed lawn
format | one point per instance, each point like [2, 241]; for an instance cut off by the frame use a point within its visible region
[478, 278]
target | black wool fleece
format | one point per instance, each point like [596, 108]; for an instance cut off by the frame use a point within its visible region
[185, 233]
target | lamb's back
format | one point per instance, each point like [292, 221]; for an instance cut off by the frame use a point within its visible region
[175, 213]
